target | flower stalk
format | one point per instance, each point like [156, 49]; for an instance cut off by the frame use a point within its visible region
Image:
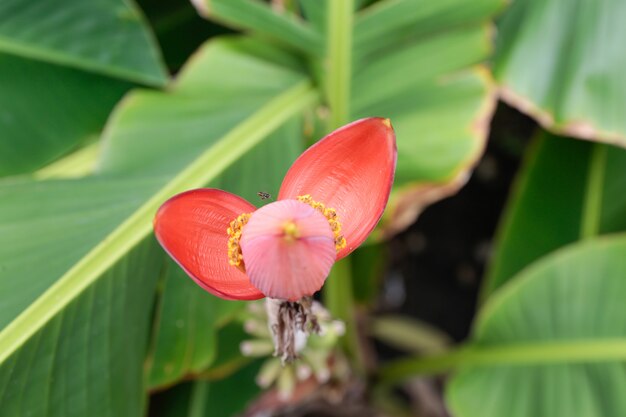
[339, 61]
[338, 290]
[592, 206]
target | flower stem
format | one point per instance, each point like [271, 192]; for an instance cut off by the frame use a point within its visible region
[592, 205]
[339, 61]
[338, 298]
[198, 400]
[338, 288]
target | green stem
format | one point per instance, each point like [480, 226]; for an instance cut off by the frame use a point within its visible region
[198, 400]
[338, 298]
[339, 71]
[520, 354]
[338, 288]
[592, 206]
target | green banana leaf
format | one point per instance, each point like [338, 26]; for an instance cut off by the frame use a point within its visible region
[84, 305]
[553, 339]
[562, 62]
[63, 66]
[564, 187]
[225, 398]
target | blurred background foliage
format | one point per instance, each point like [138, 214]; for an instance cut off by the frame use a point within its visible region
[108, 107]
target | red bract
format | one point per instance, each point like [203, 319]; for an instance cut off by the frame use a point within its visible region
[330, 200]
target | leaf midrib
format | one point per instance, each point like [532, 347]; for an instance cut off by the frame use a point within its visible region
[48, 56]
[571, 351]
[139, 225]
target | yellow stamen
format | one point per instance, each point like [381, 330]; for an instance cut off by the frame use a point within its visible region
[235, 258]
[331, 216]
[290, 230]
[387, 123]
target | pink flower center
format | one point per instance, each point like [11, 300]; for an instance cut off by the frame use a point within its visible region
[288, 248]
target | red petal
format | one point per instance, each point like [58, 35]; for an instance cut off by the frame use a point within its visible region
[350, 170]
[191, 227]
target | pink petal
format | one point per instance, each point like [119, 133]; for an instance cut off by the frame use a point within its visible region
[350, 170]
[285, 268]
[191, 227]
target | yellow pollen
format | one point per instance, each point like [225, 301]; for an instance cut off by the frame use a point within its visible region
[290, 230]
[387, 123]
[235, 258]
[331, 216]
